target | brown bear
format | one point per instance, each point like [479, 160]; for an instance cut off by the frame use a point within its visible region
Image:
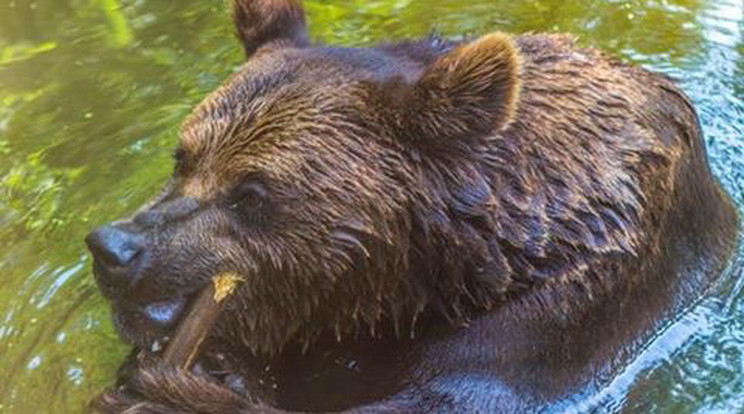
[427, 226]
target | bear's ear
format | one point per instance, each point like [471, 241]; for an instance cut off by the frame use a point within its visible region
[470, 92]
[269, 22]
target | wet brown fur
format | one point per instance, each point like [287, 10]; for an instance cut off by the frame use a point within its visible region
[431, 198]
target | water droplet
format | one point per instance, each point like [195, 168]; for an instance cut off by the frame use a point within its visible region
[235, 383]
[34, 363]
[75, 375]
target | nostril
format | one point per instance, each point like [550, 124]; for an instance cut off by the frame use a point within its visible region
[115, 247]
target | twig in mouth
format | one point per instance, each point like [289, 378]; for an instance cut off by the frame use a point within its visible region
[194, 328]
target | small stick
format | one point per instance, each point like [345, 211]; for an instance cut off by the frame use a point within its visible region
[193, 329]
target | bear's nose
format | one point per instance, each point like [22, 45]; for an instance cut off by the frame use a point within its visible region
[119, 256]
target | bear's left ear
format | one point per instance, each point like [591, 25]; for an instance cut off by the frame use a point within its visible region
[470, 92]
[265, 22]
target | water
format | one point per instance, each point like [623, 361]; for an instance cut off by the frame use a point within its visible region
[91, 96]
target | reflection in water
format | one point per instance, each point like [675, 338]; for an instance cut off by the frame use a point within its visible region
[91, 96]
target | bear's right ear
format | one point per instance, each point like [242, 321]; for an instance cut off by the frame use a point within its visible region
[468, 93]
[262, 23]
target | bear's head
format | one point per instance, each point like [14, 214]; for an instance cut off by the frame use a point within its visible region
[346, 187]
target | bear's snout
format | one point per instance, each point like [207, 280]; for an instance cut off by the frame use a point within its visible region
[121, 251]
[119, 255]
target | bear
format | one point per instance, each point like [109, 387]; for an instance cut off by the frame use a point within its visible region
[486, 225]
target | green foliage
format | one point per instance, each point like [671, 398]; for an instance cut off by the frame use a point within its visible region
[33, 192]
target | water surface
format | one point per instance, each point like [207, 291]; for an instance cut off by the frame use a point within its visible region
[91, 96]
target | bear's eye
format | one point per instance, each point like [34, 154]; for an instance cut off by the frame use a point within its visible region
[249, 200]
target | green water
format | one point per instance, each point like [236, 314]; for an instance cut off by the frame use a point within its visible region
[91, 96]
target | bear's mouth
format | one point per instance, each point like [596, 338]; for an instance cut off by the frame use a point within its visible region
[148, 325]
[166, 312]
